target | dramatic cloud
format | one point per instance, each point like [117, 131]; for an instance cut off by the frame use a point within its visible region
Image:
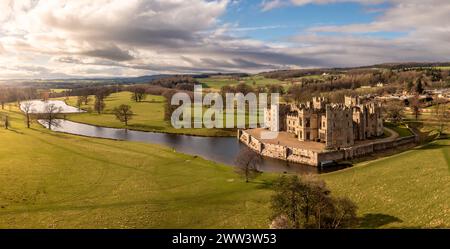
[68, 38]
[272, 4]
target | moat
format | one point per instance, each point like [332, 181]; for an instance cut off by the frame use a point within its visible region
[218, 149]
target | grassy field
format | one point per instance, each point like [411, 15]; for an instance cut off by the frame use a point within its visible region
[218, 82]
[411, 189]
[402, 130]
[149, 116]
[52, 180]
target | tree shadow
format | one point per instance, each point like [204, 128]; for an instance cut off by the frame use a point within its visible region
[377, 220]
[264, 184]
[14, 130]
[433, 146]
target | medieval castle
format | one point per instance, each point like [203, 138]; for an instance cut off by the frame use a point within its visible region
[335, 125]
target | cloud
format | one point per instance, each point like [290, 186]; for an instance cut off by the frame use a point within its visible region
[56, 38]
[113, 53]
[273, 4]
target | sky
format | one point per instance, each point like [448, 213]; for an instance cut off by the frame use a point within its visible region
[110, 38]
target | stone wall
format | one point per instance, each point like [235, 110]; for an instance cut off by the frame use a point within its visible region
[314, 158]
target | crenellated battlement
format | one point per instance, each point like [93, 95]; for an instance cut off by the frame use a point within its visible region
[335, 124]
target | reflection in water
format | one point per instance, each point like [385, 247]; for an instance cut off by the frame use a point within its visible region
[218, 149]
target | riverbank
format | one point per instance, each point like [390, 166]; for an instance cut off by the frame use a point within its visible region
[55, 180]
[148, 116]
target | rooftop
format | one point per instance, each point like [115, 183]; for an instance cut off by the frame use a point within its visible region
[287, 139]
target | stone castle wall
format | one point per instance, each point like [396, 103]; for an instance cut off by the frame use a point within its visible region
[314, 158]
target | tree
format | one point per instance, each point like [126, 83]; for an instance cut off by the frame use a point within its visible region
[3, 98]
[409, 86]
[85, 98]
[247, 162]
[243, 88]
[307, 203]
[168, 107]
[442, 115]
[394, 112]
[27, 109]
[100, 94]
[343, 214]
[99, 104]
[45, 95]
[6, 121]
[275, 88]
[138, 94]
[123, 113]
[50, 115]
[414, 104]
[288, 200]
[297, 93]
[80, 101]
[419, 86]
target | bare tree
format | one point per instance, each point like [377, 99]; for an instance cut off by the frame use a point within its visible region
[138, 94]
[442, 115]
[99, 104]
[100, 95]
[85, 98]
[414, 104]
[6, 122]
[3, 98]
[123, 113]
[80, 101]
[50, 115]
[247, 162]
[394, 112]
[27, 109]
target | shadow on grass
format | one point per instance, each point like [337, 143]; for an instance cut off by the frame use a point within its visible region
[265, 184]
[14, 130]
[377, 220]
[151, 101]
[434, 146]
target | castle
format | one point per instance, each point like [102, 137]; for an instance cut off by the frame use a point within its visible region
[335, 125]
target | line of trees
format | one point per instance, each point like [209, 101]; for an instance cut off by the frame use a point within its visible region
[16, 94]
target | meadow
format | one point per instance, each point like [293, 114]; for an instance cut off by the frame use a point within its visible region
[52, 180]
[215, 83]
[55, 180]
[148, 116]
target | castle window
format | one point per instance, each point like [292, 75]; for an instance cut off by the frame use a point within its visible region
[301, 134]
[307, 122]
[308, 136]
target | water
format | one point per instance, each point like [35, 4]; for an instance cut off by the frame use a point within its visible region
[38, 106]
[218, 149]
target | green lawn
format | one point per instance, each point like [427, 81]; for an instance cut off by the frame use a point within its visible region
[149, 116]
[411, 189]
[218, 82]
[52, 180]
[401, 129]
